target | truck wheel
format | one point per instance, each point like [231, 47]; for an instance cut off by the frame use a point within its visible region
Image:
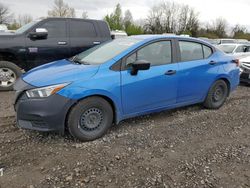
[90, 119]
[217, 95]
[9, 73]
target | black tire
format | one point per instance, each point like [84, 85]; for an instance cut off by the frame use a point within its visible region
[9, 73]
[217, 95]
[90, 119]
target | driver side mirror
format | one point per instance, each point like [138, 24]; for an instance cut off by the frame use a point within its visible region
[40, 33]
[245, 49]
[139, 65]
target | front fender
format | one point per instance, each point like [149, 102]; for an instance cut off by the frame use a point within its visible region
[80, 93]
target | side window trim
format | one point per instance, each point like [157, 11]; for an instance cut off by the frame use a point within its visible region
[241, 49]
[212, 52]
[203, 51]
[36, 26]
[172, 42]
[40, 24]
[188, 40]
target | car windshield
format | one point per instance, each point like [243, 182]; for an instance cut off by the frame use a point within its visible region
[25, 27]
[227, 48]
[226, 41]
[104, 52]
[214, 41]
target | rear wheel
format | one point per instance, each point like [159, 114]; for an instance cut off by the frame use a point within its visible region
[90, 119]
[9, 73]
[217, 95]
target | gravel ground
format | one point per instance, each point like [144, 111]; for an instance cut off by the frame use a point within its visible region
[187, 147]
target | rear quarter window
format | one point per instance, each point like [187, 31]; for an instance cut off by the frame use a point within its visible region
[207, 51]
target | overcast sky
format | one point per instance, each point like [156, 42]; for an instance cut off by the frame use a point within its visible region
[235, 11]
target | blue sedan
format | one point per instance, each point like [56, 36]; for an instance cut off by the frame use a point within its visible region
[121, 79]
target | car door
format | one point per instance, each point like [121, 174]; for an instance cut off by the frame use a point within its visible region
[54, 47]
[83, 35]
[197, 70]
[150, 89]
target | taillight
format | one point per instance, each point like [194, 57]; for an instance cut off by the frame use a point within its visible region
[237, 62]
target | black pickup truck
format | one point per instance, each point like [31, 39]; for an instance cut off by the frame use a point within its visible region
[44, 41]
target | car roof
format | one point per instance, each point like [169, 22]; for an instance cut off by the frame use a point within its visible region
[227, 39]
[235, 44]
[167, 36]
[81, 19]
[164, 36]
[230, 44]
[148, 37]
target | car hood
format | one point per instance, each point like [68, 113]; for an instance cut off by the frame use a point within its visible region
[245, 59]
[58, 72]
[241, 55]
[7, 35]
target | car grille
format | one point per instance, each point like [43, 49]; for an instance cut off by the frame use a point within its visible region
[244, 76]
[39, 124]
[245, 65]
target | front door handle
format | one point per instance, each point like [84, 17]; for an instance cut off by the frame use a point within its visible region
[96, 42]
[62, 43]
[212, 62]
[170, 72]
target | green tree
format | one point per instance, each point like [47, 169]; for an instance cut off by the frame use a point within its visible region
[133, 29]
[240, 32]
[24, 19]
[85, 15]
[14, 25]
[219, 27]
[193, 25]
[115, 19]
[130, 27]
[128, 19]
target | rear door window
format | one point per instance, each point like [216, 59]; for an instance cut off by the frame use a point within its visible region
[191, 51]
[103, 26]
[80, 29]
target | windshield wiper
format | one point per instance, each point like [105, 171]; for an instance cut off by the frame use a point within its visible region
[78, 61]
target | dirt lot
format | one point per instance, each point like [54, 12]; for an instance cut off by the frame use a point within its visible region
[188, 147]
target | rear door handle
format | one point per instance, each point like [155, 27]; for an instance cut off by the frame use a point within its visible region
[170, 72]
[96, 42]
[62, 43]
[212, 62]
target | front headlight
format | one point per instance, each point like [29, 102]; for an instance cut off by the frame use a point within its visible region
[45, 91]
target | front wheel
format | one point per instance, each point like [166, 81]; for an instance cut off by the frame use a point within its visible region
[90, 119]
[217, 95]
[9, 73]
